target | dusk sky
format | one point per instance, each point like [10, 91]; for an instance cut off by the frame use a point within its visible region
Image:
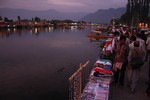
[63, 5]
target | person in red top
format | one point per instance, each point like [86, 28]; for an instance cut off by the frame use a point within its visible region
[121, 57]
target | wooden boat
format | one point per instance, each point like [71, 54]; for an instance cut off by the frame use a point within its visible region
[96, 31]
[90, 35]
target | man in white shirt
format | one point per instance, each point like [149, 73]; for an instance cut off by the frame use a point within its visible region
[115, 40]
[142, 44]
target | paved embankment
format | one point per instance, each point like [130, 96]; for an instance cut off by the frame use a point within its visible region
[124, 93]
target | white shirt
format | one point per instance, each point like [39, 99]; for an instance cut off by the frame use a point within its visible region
[142, 44]
[131, 47]
[114, 42]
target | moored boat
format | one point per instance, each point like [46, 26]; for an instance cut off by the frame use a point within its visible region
[90, 35]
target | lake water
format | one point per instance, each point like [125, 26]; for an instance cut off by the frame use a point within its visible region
[35, 64]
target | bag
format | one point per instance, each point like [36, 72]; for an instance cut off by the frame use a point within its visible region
[136, 62]
[118, 65]
[118, 62]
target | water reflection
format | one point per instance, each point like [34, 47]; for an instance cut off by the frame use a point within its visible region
[38, 68]
[34, 31]
[41, 29]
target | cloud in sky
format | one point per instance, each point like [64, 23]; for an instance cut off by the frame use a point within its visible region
[64, 5]
[68, 3]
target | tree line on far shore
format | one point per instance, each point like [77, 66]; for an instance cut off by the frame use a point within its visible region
[137, 11]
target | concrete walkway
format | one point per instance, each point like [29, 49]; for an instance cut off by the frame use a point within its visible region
[124, 93]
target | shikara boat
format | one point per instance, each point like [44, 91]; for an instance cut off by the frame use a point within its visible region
[90, 35]
[97, 34]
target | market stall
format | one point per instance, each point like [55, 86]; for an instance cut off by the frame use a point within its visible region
[98, 85]
[100, 78]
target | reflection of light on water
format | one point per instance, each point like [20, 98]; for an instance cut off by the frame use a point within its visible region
[36, 30]
[40, 30]
[46, 29]
[8, 29]
[73, 28]
[14, 30]
[31, 31]
[63, 29]
[50, 29]
[41, 58]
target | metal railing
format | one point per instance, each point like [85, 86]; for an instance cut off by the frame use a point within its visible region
[78, 81]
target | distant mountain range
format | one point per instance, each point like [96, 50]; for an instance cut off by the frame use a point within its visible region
[46, 14]
[100, 16]
[104, 16]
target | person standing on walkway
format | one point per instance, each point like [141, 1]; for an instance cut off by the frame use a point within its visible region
[120, 62]
[115, 40]
[135, 50]
[142, 44]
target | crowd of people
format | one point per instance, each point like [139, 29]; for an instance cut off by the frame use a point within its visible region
[129, 44]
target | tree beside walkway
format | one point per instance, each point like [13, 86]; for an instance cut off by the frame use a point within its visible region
[137, 11]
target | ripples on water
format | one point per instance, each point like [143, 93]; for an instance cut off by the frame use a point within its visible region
[35, 64]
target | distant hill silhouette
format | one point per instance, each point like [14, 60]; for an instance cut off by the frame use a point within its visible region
[45, 14]
[104, 15]
[100, 16]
